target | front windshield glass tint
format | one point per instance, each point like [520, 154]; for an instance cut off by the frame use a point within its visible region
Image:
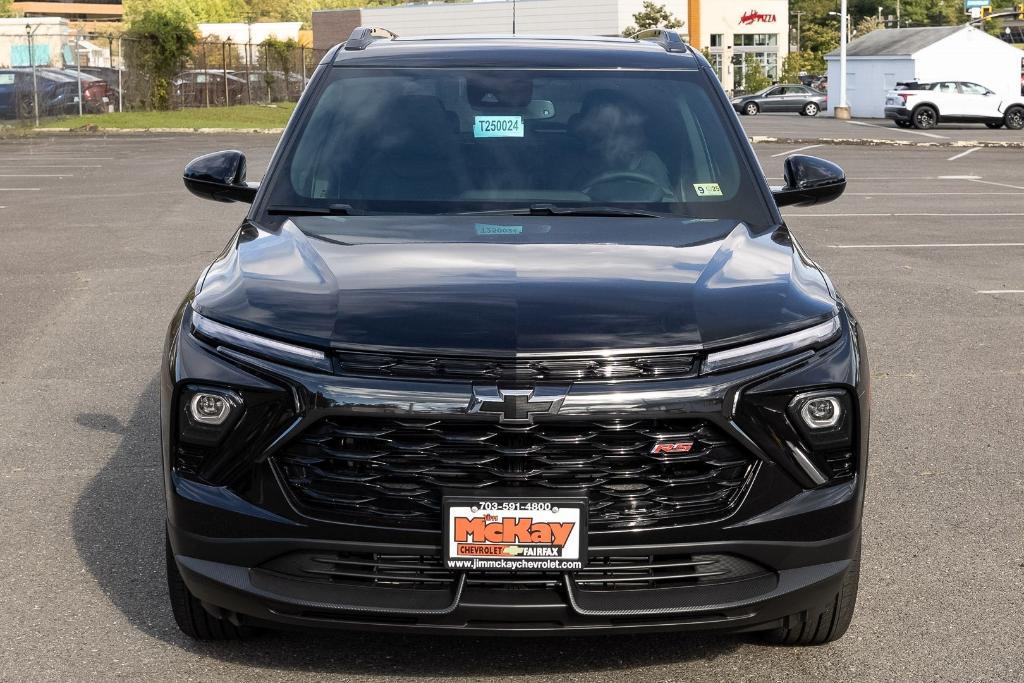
[431, 141]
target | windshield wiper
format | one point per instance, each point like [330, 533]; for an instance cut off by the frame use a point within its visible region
[332, 210]
[552, 210]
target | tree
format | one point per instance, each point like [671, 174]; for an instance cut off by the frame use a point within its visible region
[754, 77]
[791, 68]
[162, 39]
[5, 8]
[867, 25]
[652, 16]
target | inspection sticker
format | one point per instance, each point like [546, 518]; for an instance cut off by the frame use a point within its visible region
[485, 229]
[498, 127]
[707, 189]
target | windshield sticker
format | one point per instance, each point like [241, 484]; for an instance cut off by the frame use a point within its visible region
[498, 127]
[707, 189]
[484, 229]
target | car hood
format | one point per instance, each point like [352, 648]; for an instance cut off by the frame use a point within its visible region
[510, 285]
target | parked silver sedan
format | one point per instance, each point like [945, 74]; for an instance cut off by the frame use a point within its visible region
[798, 99]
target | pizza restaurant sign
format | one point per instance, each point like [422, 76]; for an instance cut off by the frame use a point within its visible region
[755, 17]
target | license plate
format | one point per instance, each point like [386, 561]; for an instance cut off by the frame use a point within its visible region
[515, 533]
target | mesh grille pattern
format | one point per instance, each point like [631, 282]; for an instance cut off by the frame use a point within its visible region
[392, 472]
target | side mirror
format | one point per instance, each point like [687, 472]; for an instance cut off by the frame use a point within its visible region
[809, 180]
[221, 177]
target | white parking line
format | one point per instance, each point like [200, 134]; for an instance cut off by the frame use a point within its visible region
[898, 130]
[929, 194]
[20, 165]
[963, 154]
[794, 151]
[19, 189]
[897, 215]
[49, 175]
[989, 182]
[926, 246]
[1001, 291]
[52, 157]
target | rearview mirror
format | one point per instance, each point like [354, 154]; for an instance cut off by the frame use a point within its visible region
[809, 180]
[221, 177]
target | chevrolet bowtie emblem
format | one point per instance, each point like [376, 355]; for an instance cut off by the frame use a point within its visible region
[517, 406]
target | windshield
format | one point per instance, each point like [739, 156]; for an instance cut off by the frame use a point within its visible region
[439, 141]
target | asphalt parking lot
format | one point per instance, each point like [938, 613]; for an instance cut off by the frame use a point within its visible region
[100, 241]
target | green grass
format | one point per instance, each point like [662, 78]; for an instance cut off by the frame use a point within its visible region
[240, 117]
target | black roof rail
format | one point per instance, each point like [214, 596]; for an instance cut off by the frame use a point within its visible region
[362, 36]
[666, 37]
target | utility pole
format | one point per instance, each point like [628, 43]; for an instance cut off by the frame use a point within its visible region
[897, 13]
[798, 15]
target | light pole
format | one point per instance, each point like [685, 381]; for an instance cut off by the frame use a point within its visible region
[78, 68]
[30, 32]
[843, 110]
[798, 15]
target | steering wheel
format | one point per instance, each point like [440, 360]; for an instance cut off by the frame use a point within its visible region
[656, 193]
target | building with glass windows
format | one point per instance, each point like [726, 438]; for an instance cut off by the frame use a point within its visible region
[729, 30]
[75, 10]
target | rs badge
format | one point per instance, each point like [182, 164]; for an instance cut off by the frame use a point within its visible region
[666, 448]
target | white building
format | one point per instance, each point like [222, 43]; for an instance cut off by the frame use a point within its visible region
[50, 40]
[729, 29]
[255, 33]
[881, 59]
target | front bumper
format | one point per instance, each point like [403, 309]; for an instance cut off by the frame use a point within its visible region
[222, 535]
[254, 596]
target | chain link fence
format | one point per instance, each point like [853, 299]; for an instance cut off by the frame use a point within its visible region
[50, 74]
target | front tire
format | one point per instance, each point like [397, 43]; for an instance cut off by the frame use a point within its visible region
[811, 109]
[925, 117]
[827, 623]
[1014, 118]
[751, 109]
[189, 613]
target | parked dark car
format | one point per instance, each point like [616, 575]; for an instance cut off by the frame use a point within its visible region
[514, 340]
[97, 94]
[198, 87]
[58, 93]
[782, 98]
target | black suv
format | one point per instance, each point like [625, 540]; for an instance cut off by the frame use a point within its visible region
[514, 340]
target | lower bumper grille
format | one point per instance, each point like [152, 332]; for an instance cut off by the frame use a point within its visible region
[426, 572]
[393, 472]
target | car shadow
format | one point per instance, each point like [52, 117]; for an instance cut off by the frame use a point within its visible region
[118, 531]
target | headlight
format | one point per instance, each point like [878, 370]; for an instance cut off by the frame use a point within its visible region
[772, 348]
[261, 346]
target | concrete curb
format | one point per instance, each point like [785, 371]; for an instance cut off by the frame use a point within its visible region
[145, 131]
[880, 142]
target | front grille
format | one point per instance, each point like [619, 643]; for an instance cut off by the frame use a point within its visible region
[624, 366]
[427, 572]
[391, 472]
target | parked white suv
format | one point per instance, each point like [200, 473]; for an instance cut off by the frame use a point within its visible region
[925, 105]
